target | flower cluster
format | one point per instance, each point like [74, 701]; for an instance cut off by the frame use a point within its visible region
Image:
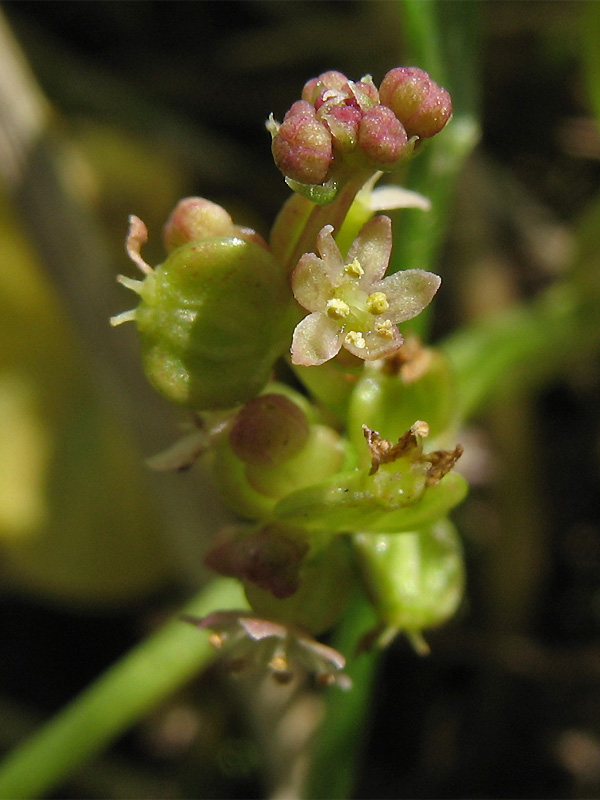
[321, 501]
[340, 125]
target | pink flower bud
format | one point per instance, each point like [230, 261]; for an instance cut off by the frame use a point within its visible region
[194, 219]
[382, 137]
[366, 93]
[300, 108]
[327, 80]
[343, 122]
[302, 148]
[433, 114]
[420, 104]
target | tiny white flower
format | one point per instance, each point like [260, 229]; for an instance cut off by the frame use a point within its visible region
[352, 305]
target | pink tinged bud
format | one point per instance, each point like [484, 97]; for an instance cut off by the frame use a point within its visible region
[419, 103]
[404, 89]
[343, 121]
[433, 114]
[269, 430]
[302, 149]
[194, 219]
[249, 235]
[299, 108]
[382, 137]
[366, 92]
[327, 80]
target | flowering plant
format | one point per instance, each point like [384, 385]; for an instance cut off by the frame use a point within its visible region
[216, 316]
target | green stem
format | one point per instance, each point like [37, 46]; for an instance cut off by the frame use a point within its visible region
[442, 38]
[128, 690]
[336, 749]
[332, 214]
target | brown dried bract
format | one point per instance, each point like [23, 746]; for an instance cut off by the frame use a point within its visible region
[442, 461]
[385, 452]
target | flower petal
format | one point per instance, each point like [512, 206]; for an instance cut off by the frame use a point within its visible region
[372, 247]
[407, 292]
[316, 340]
[377, 344]
[387, 198]
[311, 283]
[329, 251]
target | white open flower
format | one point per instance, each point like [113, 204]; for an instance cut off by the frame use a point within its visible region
[352, 305]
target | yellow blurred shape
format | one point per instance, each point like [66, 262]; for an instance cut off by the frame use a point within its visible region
[24, 454]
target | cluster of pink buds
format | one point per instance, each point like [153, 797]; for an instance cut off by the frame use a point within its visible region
[340, 125]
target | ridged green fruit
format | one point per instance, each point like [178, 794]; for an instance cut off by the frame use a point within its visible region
[213, 318]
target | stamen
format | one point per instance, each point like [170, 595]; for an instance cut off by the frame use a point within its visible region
[216, 639]
[377, 303]
[356, 338]
[384, 329]
[279, 663]
[337, 309]
[354, 269]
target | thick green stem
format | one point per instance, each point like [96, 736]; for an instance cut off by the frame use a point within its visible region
[128, 690]
[331, 214]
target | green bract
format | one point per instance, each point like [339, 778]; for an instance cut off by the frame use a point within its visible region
[345, 504]
[213, 318]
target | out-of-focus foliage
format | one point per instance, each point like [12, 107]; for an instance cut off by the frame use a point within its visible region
[76, 522]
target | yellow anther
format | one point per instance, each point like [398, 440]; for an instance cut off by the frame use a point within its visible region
[384, 329]
[337, 309]
[279, 663]
[377, 303]
[356, 338]
[216, 639]
[354, 269]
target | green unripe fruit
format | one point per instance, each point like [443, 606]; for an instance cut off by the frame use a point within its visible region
[415, 579]
[213, 318]
[326, 581]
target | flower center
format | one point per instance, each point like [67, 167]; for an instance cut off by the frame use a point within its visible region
[355, 307]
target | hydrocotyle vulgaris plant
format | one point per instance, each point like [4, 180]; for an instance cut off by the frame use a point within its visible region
[349, 482]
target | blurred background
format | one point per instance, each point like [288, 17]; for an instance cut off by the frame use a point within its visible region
[109, 109]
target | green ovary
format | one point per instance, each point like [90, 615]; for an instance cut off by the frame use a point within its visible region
[354, 308]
